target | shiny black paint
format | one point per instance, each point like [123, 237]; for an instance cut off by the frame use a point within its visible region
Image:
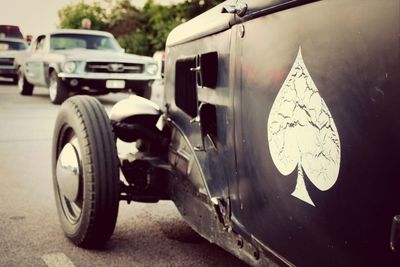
[356, 75]
[351, 49]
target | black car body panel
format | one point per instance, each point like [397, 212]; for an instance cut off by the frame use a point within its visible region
[277, 138]
[303, 151]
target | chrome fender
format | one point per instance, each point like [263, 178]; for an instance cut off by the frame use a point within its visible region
[133, 106]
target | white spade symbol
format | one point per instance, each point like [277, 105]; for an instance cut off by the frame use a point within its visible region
[302, 133]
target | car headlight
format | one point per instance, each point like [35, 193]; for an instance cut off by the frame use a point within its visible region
[152, 68]
[69, 67]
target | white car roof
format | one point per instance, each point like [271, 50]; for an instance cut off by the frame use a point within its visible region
[81, 31]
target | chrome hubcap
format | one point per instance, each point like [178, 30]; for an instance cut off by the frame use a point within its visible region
[53, 88]
[68, 172]
[69, 180]
[20, 82]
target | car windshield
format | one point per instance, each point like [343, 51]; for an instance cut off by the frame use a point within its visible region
[10, 45]
[62, 41]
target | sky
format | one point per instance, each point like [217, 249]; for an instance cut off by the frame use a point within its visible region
[35, 17]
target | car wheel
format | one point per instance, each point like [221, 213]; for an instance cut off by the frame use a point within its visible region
[85, 169]
[15, 79]
[24, 87]
[57, 90]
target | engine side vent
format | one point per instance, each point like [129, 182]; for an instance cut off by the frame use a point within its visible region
[185, 86]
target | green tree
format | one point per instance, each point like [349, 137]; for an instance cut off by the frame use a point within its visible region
[71, 16]
[158, 21]
[135, 43]
[124, 18]
[139, 31]
[125, 22]
[162, 19]
[192, 8]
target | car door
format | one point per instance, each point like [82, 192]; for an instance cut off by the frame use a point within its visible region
[34, 64]
[316, 93]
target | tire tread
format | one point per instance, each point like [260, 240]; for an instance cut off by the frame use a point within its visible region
[101, 171]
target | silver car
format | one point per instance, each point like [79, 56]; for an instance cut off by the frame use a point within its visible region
[84, 62]
[10, 48]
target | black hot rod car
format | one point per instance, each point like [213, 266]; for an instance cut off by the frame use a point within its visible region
[278, 140]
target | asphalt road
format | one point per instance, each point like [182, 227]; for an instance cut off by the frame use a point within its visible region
[30, 234]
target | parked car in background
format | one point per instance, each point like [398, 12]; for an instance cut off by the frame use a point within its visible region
[278, 136]
[84, 62]
[10, 50]
[11, 31]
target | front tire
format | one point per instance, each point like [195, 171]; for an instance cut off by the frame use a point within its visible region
[85, 170]
[24, 87]
[57, 91]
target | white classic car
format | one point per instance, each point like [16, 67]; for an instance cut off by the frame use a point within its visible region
[85, 62]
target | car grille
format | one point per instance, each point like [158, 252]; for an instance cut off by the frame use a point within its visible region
[113, 67]
[7, 61]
